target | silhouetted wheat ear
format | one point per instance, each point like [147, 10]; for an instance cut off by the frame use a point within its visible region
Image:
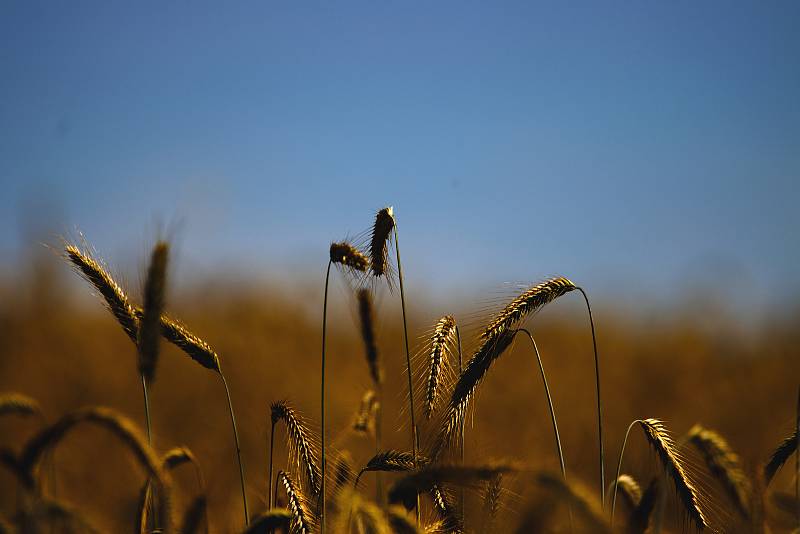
[449, 519]
[302, 453]
[150, 323]
[724, 465]
[379, 243]
[467, 384]
[629, 488]
[442, 342]
[277, 519]
[779, 457]
[367, 319]
[364, 422]
[347, 255]
[194, 347]
[659, 438]
[302, 520]
[579, 501]
[639, 519]
[112, 293]
[19, 404]
[527, 303]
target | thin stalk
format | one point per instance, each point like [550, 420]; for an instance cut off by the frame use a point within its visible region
[151, 517]
[461, 425]
[270, 505]
[549, 404]
[322, 397]
[619, 469]
[378, 439]
[797, 458]
[238, 449]
[599, 404]
[408, 357]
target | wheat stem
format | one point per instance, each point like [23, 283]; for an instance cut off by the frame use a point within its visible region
[408, 356]
[461, 425]
[549, 404]
[619, 469]
[322, 396]
[238, 448]
[599, 404]
[270, 504]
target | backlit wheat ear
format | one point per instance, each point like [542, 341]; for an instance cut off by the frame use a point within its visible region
[629, 489]
[194, 347]
[530, 301]
[442, 342]
[639, 519]
[348, 256]
[659, 439]
[18, 404]
[364, 422]
[302, 454]
[779, 456]
[449, 519]
[724, 465]
[277, 519]
[302, 520]
[467, 384]
[491, 501]
[367, 320]
[112, 293]
[118, 425]
[379, 242]
[391, 460]
[150, 323]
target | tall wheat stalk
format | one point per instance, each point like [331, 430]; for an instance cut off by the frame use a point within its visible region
[347, 256]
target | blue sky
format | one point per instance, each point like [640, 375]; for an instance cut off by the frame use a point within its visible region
[639, 145]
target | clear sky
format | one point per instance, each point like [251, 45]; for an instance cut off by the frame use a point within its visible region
[646, 145]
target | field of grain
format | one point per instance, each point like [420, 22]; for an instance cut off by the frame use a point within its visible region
[712, 412]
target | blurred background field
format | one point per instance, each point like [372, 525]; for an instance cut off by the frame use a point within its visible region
[58, 345]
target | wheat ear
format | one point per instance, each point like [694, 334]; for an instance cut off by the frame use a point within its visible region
[779, 456]
[300, 445]
[659, 439]
[302, 520]
[629, 489]
[391, 460]
[491, 501]
[724, 465]
[441, 345]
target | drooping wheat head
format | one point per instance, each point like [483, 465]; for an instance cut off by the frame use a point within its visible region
[724, 465]
[116, 300]
[379, 242]
[528, 302]
[348, 256]
[779, 456]
[391, 460]
[629, 489]
[300, 444]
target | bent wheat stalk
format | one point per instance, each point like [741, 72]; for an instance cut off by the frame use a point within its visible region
[657, 436]
[347, 256]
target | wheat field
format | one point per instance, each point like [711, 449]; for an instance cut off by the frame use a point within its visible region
[352, 403]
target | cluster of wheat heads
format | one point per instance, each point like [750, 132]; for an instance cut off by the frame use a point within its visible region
[430, 478]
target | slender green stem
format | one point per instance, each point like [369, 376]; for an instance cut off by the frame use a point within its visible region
[414, 443]
[619, 468]
[549, 404]
[599, 404]
[269, 478]
[322, 397]
[238, 449]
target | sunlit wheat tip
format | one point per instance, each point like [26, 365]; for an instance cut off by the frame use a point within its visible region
[379, 243]
[442, 340]
[345, 254]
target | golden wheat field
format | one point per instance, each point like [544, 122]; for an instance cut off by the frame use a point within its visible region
[133, 408]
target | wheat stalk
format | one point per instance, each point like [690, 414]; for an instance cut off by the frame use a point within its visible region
[299, 444]
[118, 425]
[346, 255]
[724, 465]
[659, 439]
[302, 521]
